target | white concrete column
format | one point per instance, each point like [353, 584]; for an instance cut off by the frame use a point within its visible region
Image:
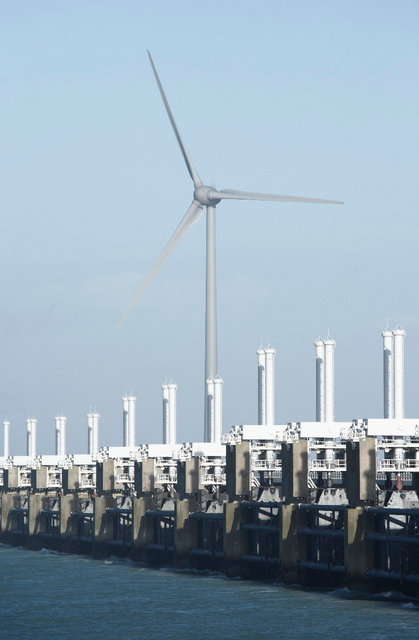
[320, 414]
[60, 435]
[388, 374]
[172, 411]
[218, 409]
[93, 432]
[399, 335]
[261, 386]
[166, 413]
[270, 385]
[125, 425]
[210, 410]
[131, 420]
[31, 428]
[6, 438]
[329, 380]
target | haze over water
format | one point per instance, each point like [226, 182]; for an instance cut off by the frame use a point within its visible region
[50, 595]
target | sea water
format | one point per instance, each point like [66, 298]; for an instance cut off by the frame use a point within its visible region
[58, 596]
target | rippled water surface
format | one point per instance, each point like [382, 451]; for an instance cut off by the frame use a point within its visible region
[58, 596]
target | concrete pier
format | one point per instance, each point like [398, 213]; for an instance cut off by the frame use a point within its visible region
[295, 471]
[142, 527]
[360, 482]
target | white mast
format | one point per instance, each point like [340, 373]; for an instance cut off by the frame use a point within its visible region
[60, 435]
[93, 432]
[329, 380]
[6, 438]
[261, 385]
[388, 373]
[270, 385]
[31, 428]
[320, 414]
[169, 413]
[399, 335]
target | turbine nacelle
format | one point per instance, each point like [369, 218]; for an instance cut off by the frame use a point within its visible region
[206, 196]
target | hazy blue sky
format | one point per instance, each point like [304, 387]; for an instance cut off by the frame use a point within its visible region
[298, 97]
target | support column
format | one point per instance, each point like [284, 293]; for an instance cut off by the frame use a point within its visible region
[185, 528]
[361, 471]
[261, 386]
[68, 503]
[6, 438]
[388, 374]
[270, 385]
[329, 380]
[7, 504]
[234, 538]
[295, 471]
[320, 416]
[292, 548]
[359, 552]
[142, 526]
[103, 522]
[399, 335]
[238, 481]
[35, 504]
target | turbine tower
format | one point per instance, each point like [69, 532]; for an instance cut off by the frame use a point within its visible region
[208, 197]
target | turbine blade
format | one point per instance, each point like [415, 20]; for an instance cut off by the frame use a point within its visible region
[192, 171]
[189, 219]
[231, 194]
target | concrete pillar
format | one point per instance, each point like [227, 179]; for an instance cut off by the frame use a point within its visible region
[103, 522]
[71, 479]
[105, 475]
[238, 473]
[188, 477]
[234, 542]
[39, 478]
[295, 471]
[261, 386]
[6, 438]
[31, 428]
[361, 471]
[329, 380]
[359, 552]
[144, 476]
[218, 408]
[35, 505]
[388, 374]
[399, 335]
[68, 504]
[186, 529]
[93, 432]
[60, 435]
[270, 385]
[7, 504]
[142, 526]
[11, 478]
[319, 344]
[292, 548]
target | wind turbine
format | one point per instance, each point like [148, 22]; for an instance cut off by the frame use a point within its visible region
[208, 197]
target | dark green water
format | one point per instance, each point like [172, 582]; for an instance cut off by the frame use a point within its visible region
[58, 596]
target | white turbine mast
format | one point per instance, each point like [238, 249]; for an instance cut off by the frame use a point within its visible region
[208, 197]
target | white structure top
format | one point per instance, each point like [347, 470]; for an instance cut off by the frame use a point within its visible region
[80, 459]
[163, 450]
[117, 452]
[322, 429]
[208, 449]
[263, 432]
[392, 427]
[52, 460]
[22, 461]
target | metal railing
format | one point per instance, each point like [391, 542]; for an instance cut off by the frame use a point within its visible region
[213, 478]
